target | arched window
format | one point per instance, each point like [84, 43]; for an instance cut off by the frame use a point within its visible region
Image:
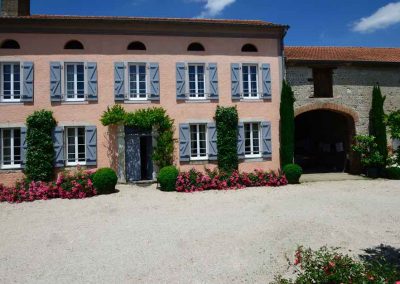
[73, 44]
[249, 48]
[136, 45]
[195, 46]
[10, 44]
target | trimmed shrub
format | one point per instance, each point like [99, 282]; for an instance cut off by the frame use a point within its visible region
[293, 173]
[167, 178]
[40, 152]
[377, 126]
[287, 125]
[393, 173]
[105, 180]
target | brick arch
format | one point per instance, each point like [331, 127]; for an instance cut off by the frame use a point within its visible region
[328, 106]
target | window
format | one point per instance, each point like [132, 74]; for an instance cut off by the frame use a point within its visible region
[73, 44]
[10, 82]
[10, 44]
[252, 141]
[76, 146]
[196, 81]
[198, 142]
[75, 81]
[250, 81]
[322, 82]
[10, 148]
[137, 82]
[136, 45]
[249, 48]
[195, 46]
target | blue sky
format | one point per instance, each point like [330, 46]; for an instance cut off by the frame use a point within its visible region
[313, 22]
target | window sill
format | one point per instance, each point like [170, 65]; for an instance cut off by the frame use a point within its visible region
[74, 102]
[253, 159]
[10, 170]
[252, 100]
[10, 103]
[137, 101]
[199, 162]
[195, 101]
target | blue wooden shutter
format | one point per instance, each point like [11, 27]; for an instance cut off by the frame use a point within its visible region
[119, 81]
[212, 141]
[27, 79]
[266, 82]
[235, 78]
[240, 141]
[91, 81]
[213, 78]
[58, 143]
[91, 145]
[23, 147]
[180, 81]
[266, 139]
[55, 81]
[184, 142]
[154, 82]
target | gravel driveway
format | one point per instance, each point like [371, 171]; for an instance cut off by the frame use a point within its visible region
[144, 235]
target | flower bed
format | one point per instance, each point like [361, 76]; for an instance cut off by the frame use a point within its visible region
[69, 185]
[194, 180]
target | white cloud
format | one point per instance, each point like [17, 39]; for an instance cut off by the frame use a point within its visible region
[213, 8]
[383, 17]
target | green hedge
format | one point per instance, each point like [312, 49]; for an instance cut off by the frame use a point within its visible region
[167, 178]
[105, 180]
[287, 125]
[293, 173]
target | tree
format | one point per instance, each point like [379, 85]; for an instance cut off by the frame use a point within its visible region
[287, 124]
[377, 126]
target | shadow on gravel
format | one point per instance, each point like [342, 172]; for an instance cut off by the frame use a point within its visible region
[389, 254]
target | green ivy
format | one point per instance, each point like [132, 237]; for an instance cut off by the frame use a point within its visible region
[227, 123]
[393, 122]
[147, 119]
[287, 125]
[40, 152]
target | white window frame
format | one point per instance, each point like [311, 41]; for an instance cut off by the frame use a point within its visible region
[196, 80]
[250, 96]
[12, 95]
[76, 151]
[137, 93]
[198, 157]
[75, 98]
[252, 155]
[13, 165]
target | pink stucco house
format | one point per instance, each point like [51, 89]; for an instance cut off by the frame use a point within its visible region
[77, 66]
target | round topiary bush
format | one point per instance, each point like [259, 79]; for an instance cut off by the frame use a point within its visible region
[393, 173]
[293, 173]
[167, 178]
[105, 180]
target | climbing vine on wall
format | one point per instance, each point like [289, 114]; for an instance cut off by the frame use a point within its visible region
[147, 119]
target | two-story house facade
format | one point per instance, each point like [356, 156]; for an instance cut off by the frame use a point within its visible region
[78, 66]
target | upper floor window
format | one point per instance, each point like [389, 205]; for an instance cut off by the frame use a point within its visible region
[252, 140]
[196, 81]
[137, 81]
[136, 45]
[73, 44]
[198, 142]
[75, 146]
[10, 44]
[195, 46]
[322, 78]
[75, 81]
[250, 81]
[10, 82]
[10, 145]
[249, 48]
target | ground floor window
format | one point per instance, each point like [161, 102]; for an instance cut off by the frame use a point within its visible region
[10, 148]
[198, 142]
[252, 140]
[76, 146]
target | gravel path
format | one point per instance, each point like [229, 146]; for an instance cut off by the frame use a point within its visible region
[144, 235]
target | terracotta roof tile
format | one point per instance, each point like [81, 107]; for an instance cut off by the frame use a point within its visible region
[344, 54]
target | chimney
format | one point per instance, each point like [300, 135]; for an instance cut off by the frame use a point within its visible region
[15, 8]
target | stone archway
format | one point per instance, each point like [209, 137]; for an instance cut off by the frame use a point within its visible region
[323, 137]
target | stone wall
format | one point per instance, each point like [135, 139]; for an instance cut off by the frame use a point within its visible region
[352, 90]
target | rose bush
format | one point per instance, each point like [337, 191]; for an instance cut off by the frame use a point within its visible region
[194, 180]
[69, 185]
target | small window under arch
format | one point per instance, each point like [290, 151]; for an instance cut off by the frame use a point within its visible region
[73, 44]
[10, 44]
[249, 48]
[195, 46]
[136, 45]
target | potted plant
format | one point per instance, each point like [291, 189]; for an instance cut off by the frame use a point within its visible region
[371, 159]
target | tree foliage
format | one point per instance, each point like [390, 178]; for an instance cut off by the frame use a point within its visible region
[287, 125]
[377, 127]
